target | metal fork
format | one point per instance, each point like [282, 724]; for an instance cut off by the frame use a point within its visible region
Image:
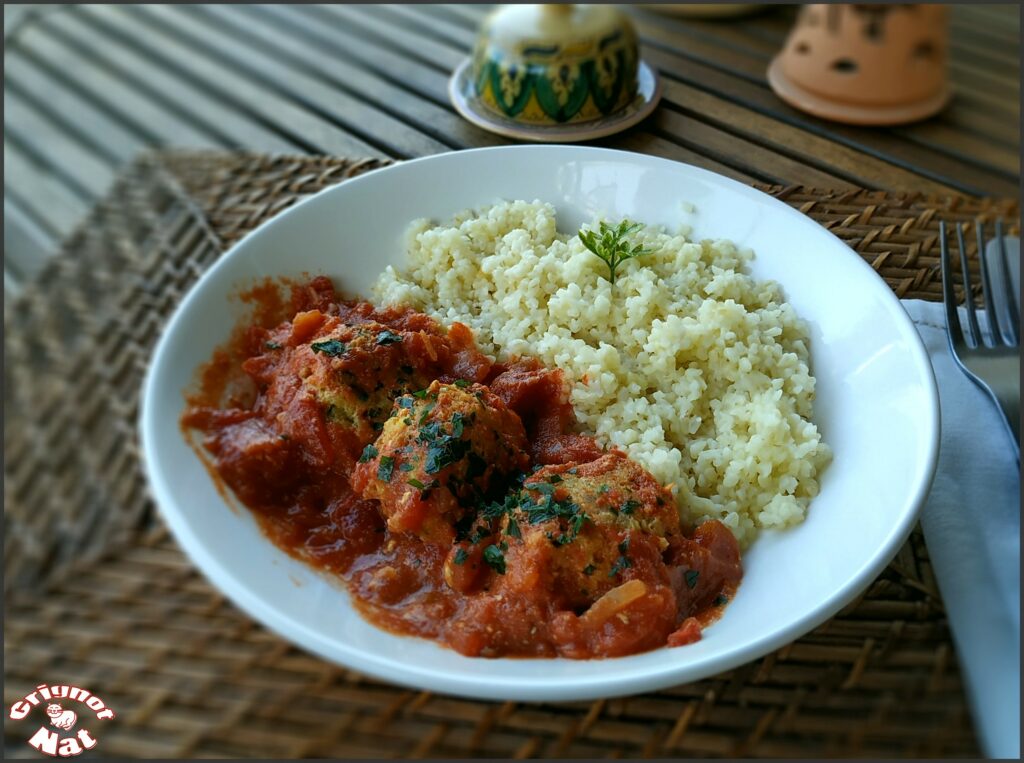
[994, 365]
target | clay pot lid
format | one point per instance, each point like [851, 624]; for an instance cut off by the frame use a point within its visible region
[866, 65]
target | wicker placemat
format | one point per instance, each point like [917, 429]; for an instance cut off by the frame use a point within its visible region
[98, 595]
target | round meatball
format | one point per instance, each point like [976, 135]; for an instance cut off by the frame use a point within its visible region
[441, 453]
[580, 530]
[356, 371]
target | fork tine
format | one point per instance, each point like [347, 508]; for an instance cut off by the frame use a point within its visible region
[954, 331]
[1011, 298]
[972, 316]
[986, 287]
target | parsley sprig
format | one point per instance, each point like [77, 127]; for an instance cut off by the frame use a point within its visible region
[610, 244]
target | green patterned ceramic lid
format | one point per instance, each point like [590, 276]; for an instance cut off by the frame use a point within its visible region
[553, 64]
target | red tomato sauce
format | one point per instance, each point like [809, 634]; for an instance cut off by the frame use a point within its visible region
[585, 561]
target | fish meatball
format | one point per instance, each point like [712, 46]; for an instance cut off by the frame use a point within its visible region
[440, 454]
[588, 528]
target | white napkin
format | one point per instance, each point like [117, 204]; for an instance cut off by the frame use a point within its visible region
[971, 524]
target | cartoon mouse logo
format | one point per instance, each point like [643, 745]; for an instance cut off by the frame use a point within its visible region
[61, 718]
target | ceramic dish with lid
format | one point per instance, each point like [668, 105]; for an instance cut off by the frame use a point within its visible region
[555, 73]
[876, 406]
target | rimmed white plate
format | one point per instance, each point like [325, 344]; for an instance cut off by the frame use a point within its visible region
[460, 91]
[876, 406]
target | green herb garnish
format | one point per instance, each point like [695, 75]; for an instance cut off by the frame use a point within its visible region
[331, 347]
[623, 562]
[462, 383]
[611, 246]
[385, 468]
[388, 337]
[460, 556]
[513, 528]
[628, 507]
[272, 345]
[495, 559]
[721, 600]
[691, 578]
[368, 452]
[415, 483]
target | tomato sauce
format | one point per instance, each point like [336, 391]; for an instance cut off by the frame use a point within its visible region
[287, 448]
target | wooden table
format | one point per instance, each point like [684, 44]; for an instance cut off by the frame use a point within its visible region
[86, 88]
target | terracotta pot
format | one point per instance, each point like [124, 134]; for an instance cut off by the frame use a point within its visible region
[865, 64]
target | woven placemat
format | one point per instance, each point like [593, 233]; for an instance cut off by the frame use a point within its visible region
[98, 595]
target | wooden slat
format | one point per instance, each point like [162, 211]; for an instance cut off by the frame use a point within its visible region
[79, 165]
[195, 104]
[364, 47]
[27, 245]
[404, 104]
[754, 157]
[409, 42]
[389, 134]
[81, 116]
[243, 92]
[886, 145]
[865, 170]
[35, 189]
[148, 117]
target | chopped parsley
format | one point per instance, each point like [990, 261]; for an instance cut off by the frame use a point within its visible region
[416, 483]
[444, 451]
[331, 347]
[385, 468]
[272, 345]
[721, 600]
[462, 383]
[623, 562]
[628, 507]
[426, 411]
[495, 559]
[406, 467]
[603, 489]
[405, 402]
[513, 528]
[368, 452]
[495, 510]
[458, 425]
[460, 556]
[691, 578]
[554, 479]
[388, 337]
[541, 487]
[419, 394]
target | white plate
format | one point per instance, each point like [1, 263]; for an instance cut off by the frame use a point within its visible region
[877, 408]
